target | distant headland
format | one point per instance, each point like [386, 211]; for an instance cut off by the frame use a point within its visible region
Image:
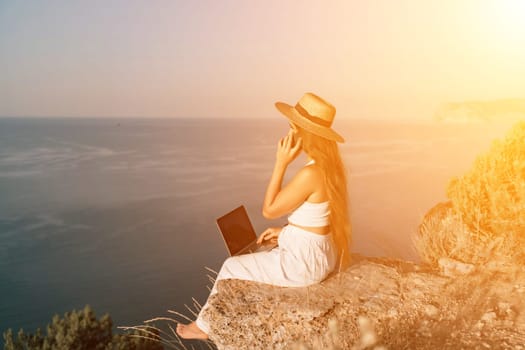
[481, 111]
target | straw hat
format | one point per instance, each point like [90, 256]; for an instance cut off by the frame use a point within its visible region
[313, 114]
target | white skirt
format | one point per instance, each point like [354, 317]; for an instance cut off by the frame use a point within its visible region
[302, 258]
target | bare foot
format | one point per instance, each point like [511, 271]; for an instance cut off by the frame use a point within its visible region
[190, 331]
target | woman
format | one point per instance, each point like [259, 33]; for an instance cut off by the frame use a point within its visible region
[317, 236]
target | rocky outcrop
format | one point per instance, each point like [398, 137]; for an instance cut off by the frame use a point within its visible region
[375, 304]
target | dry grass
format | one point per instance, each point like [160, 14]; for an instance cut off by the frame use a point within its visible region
[485, 218]
[170, 339]
[443, 234]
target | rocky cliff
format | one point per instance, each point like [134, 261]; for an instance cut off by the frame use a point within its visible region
[376, 304]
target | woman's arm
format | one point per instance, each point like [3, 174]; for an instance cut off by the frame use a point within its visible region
[278, 202]
[273, 187]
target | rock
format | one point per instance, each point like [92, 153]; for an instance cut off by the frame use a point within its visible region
[431, 311]
[503, 307]
[489, 316]
[368, 334]
[450, 267]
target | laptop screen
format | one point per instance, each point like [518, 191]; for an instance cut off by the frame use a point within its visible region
[236, 230]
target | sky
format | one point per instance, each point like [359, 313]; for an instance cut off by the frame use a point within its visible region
[377, 59]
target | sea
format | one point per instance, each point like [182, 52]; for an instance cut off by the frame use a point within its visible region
[119, 213]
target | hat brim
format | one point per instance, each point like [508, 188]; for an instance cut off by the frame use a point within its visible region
[291, 113]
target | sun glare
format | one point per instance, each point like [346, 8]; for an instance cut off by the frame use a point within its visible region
[507, 22]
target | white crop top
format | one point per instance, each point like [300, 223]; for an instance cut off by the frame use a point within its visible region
[311, 214]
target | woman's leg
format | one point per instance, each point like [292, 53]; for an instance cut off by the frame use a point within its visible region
[261, 267]
[199, 329]
[301, 259]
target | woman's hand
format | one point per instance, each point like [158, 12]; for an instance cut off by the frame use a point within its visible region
[270, 235]
[288, 149]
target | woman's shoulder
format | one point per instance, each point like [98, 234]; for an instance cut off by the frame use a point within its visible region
[312, 172]
[314, 176]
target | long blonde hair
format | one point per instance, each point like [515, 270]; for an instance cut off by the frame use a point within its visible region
[326, 154]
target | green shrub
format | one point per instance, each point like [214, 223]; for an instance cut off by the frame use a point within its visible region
[78, 330]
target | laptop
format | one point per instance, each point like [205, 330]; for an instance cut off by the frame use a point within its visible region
[238, 233]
